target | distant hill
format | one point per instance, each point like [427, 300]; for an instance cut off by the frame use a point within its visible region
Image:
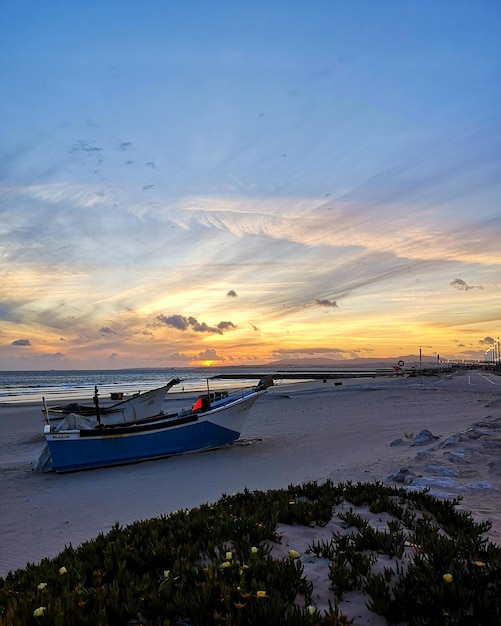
[323, 363]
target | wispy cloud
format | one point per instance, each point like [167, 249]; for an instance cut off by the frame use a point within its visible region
[459, 283]
[332, 185]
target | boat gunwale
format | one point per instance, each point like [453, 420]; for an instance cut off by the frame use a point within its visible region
[157, 422]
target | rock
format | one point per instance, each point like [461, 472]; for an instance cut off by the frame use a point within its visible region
[397, 442]
[484, 484]
[450, 441]
[404, 475]
[440, 470]
[491, 444]
[423, 455]
[461, 456]
[424, 437]
[441, 483]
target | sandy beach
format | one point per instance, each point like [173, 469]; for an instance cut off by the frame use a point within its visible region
[361, 430]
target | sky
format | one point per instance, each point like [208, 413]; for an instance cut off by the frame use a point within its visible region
[236, 183]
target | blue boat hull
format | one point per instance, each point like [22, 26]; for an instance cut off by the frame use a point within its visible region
[73, 450]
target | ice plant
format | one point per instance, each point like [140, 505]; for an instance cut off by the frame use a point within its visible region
[448, 578]
[39, 612]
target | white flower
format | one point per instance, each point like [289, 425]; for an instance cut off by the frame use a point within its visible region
[40, 611]
[229, 556]
[63, 570]
[41, 586]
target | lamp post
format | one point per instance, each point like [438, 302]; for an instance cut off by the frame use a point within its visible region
[421, 365]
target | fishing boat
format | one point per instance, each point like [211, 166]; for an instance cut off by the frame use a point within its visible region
[127, 411]
[84, 442]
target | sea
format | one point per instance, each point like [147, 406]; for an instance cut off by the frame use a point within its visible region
[53, 385]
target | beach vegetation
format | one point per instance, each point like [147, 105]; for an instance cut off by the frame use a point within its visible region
[412, 557]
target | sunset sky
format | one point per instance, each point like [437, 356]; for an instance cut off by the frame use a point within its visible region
[228, 182]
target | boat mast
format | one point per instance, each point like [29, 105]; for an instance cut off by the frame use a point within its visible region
[96, 404]
[45, 411]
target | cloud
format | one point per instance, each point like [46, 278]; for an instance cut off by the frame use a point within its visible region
[461, 285]
[54, 355]
[232, 294]
[21, 342]
[107, 331]
[180, 357]
[226, 326]
[487, 340]
[125, 145]
[210, 355]
[326, 302]
[85, 146]
[180, 322]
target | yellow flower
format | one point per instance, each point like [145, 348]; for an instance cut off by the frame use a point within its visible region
[293, 554]
[479, 563]
[254, 550]
[229, 556]
[448, 578]
[63, 570]
[225, 564]
[292, 502]
[261, 594]
[41, 586]
[311, 609]
[40, 611]
[166, 573]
